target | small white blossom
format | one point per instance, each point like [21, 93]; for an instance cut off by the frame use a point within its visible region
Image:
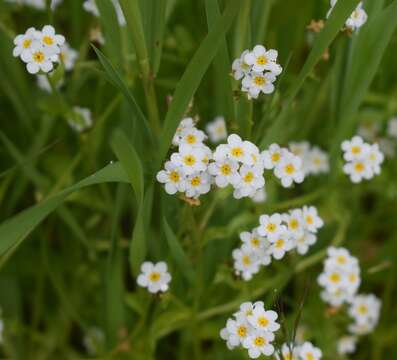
[154, 277]
[25, 42]
[246, 262]
[271, 226]
[260, 196]
[258, 343]
[173, 178]
[223, 171]
[310, 352]
[247, 181]
[255, 83]
[185, 125]
[190, 158]
[217, 129]
[347, 345]
[80, 119]
[68, 56]
[263, 60]
[49, 39]
[197, 184]
[281, 245]
[272, 157]
[289, 170]
[239, 67]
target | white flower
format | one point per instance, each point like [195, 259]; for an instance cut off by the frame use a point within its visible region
[259, 342]
[347, 345]
[235, 149]
[289, 352]
[303, 241]
[246, 309]
[281, 244]
[253, 240]
[272, 156]
[365, 309]
[80, 119]
[68, 56]
[357, 19]
[317, 161]
[375, 158]
[289, 170]
[358, 170]
[39, 58]
[248, 180]
[50, 40]
[24, 42]
[392, 127]
[295, 222]
[300, 149]
[261, 59]
[256, 82]
[154, 277]
[184, 125]
[223, 171]
[354, 149]
[271, 226]
[246, 262]
[173, 178]
[191, 158]
[237, 331]
[192, 136]
[310, 352]
[217, 129]
[239, 67]
[312, 221]
[197, 184]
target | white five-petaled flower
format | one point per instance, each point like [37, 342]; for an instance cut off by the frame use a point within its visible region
[223, 171]
[217, 129]
[264, 320]
[272, 156]
[154, 277]
[354, 149]
[235, 149]
[25, 42]
[289, 170]
[256, 82]
[49, 39]
[39, 58]
[185, 124]
[310, 352]
[312, 221]
[347, 345]
[239, 67]
[281, 245]
[258, 343]
[263, 60]
[173, 178]
[271, 226]
[197, 184]
[68, 56]
[247, 181]
[246, 262]
[191, 158]
[356, 20]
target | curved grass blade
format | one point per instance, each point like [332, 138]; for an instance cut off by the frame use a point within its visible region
[192, 76]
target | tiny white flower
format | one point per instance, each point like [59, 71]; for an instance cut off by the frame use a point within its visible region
[80, 119]
[235, 149]
[239, 67]
[354, 149]
[261, 59]
[68, 56]
[223, 171]
[272, 156]
[289, 352]
[217, 129]
[375, 158]
[253, 240]
[247, 181]
[39, 58]
[238, 331]
[281, 245]
[50, 40]
[260, 196]
[173, 178]
[192, 136]
[357, 19]
[358, 170]
[310, 352]
[185, 124]
[271, 226]
[365, 309]
[246, 262]
[25, 42]
[295, 221]
[347, 345]
[303, 241]
[154, 277]
[256, 82]
[317, 161]
[258, 343]
[191, 158]
[312, 221]
[197, 184]
[289, 170]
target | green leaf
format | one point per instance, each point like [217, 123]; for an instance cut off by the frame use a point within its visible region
[193, 74]
[335, 23]
[16, 229]
[129, 159]
[115, 78]
[178, 253]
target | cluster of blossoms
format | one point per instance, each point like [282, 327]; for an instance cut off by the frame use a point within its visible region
[154, 277]
[37, 4]
[372, 131]
[39, 49]
[253, 328]
[286, 166]
[315, 161]
[305, 351]
[91, 7]
[276, 235]
[258, 70]
[363, 160]
[341, 280]
[357, 19]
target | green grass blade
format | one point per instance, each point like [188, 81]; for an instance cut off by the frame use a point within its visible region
[177, 252]
[192, 76]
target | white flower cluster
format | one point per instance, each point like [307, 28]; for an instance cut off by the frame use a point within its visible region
[80, 119]
[286, 166]
[305, 351]
[315, 161]
[341, 280]
[258, 70]
[276, 235]
[39, 49]
[154, 277]
[363, 160]
[91, 7]
[252, 327]
[357, 19]
[37, 4]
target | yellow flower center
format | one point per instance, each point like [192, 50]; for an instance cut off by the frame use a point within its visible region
[154, 276]
[356, 150]
[255, 242]
[262, 321]
[48, 40]
[279, 243]
[335, 277]
[26, 43]
[259, 80]
[248, 177]
[317, 161]
[341, 260]
[62, 56]
[309, 356]
[246, 260]
[220, 130]
[174, 176]
[352, 278]
[309, 219]
[242, 331]
[38, 56]
[196, 181]
[226, 169]
[191, 139]
[259, 341]
[287, 356]
[271, 227]
[363, 309]
[289, 169]
[359, 167]
[294, 224]
[261, 60]
[189, 160]
[276, 157]
[237, 152]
